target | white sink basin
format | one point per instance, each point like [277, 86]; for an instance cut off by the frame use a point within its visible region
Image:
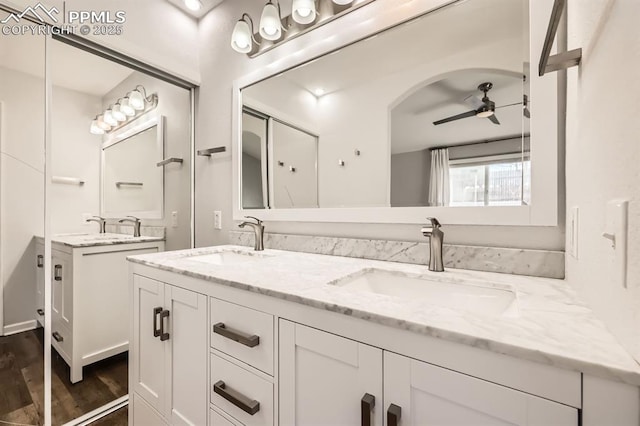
[469, 297]
[229, 257]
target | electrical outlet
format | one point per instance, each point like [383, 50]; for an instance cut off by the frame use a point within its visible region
[217, 219]
[574, 226]
[174, 219]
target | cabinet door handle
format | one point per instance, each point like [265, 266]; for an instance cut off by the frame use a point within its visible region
[367, 403]
[393, 415]
[163, 336]
[247, 405]
[40, 261]
[57, 336]
[40, 312]
[57, 272]
[236, 336]
[156, 330]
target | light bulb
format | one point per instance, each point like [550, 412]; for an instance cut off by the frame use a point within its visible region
[101, 124]
[95, 129]
[126, 109]
[109, 119]
[117, 113]
[304, 11]
[241, 40]
[194, 5]
[343, 2]
[270, 25]
[136, 100]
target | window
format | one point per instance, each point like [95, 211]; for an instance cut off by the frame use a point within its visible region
[500, 180]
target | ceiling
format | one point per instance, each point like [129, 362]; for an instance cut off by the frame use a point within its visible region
[71, 68]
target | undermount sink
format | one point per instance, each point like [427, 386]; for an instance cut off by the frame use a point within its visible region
[229, 257]
[469, 297]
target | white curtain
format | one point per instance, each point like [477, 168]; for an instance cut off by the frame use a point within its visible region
[439, 190]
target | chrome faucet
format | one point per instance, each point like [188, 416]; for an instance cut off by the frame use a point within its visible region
[258, 230]
[100, 220]
[436, 236]
[136, 224]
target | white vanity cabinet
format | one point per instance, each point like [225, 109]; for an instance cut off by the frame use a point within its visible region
[168, 355]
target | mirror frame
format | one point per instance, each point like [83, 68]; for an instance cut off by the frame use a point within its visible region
[121, 135]
[372, 20]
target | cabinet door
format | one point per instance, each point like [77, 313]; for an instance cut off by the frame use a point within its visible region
[147, 353]
[187, 375]
[143, 414]
[426, 394]
[40, 283]
[62, 289]
[324, 379]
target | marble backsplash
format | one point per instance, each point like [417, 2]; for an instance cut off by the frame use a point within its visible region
[145, 231]
[537, 263]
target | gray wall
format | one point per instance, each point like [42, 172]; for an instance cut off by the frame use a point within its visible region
[410, 172]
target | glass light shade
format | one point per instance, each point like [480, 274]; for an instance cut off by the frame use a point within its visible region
[194, 5]
[126, 108]
[304, 11]
[100, 123]
[116, 112]
[109, 119]
[136, 100]
[95, 129]
[241, 40]
[342, 2]
[270, 25]
[484, 114]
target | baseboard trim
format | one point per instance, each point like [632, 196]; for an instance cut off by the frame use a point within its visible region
[19, 327]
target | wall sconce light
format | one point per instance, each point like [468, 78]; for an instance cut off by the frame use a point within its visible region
[135, 104]
[306, 15]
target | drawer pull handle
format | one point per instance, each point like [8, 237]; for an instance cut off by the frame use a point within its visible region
[156, 330]
[57, 272]
[57, 337]
[40, 261]
[236, 336]
[247, 405]
[163, 336]
[40, 312]
[367, 403]
[393, 415]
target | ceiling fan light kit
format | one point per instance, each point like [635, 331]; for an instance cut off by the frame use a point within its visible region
[274, 29]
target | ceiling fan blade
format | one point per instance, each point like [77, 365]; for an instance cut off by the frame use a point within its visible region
[509, 105]
[494, 119]
[455, 117]
[474, 102]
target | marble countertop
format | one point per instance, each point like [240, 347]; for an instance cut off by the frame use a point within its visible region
[552, 326]
[93, 240]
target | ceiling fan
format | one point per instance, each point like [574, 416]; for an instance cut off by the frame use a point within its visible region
[482, 108]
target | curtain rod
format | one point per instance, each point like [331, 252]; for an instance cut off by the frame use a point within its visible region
[526, 135]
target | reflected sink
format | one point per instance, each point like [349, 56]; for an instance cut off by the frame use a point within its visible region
[469, 297]
[229, 257]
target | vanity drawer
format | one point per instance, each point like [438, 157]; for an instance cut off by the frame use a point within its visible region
[240, 393]
[243, 333]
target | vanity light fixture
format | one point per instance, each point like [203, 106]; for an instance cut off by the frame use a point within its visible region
[270, 23]
[127, 109]
[194, 5]
[305, 16]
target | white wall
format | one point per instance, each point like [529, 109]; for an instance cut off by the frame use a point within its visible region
[603, 155]
[220, 66]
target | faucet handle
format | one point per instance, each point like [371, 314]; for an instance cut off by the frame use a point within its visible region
[258, 221]
[434, 222]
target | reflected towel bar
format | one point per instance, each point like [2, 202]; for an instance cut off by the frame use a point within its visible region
[208, 152]
[119, 184]
[170, 160]
[67, 180]
[560, 61]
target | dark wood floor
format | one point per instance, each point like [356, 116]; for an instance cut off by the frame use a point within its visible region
[22, 383]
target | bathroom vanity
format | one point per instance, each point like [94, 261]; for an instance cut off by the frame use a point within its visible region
[230, 336]
[89, 301]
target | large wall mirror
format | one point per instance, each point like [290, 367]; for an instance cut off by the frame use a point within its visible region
[438, 115]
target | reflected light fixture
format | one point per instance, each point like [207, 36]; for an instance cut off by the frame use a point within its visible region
[194, 5]
[342, 2]
[270, 22]
[485, 113]
[319, 92]
[124, 111]
[242, 38]
[303, 11]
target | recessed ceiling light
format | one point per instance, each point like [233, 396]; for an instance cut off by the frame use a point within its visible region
[194, 5]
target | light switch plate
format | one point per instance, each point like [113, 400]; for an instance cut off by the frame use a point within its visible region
[174, 219]
[573, 228]
[616, 230]
[217, 219]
